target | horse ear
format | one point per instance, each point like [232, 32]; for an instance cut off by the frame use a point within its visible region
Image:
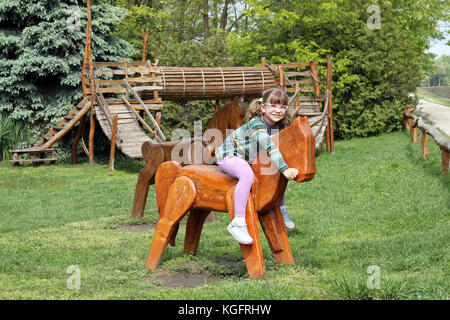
[242, 105]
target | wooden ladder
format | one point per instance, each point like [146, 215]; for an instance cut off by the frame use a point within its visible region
[35, 154]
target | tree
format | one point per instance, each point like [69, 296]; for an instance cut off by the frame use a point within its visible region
[42, 53]
[375, 66]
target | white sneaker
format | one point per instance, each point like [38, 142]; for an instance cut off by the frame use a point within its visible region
[239, 231]
[288, 223]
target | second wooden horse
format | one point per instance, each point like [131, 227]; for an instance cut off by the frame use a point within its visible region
[226, 118]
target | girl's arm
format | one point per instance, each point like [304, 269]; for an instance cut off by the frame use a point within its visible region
[264, 140]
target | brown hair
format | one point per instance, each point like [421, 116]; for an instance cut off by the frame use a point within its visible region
[276, 96]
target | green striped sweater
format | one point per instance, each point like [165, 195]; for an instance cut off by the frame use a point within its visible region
[246, 142]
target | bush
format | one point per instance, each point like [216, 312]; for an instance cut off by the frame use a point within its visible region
[12, 134]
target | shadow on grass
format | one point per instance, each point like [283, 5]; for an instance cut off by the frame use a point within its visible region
[129, 165]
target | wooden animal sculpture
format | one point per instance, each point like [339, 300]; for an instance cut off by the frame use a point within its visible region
[228, 117]
[202, 188]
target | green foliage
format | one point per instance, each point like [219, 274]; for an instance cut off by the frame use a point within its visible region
[374, 69]
[12, 134]
[439, 75]
[42, 54]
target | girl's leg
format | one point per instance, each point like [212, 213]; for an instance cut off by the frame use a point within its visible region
[240, 169]
[288, 223]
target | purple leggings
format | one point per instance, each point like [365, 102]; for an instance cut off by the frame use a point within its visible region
[239, 168]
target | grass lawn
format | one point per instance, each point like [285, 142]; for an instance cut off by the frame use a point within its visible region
[373, 203]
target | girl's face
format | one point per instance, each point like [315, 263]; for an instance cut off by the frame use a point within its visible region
[273, 112]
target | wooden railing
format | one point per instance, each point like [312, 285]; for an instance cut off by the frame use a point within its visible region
[104, 107]
[155, 124]
[412, 123]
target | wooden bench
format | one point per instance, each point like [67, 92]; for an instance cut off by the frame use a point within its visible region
[36, 155]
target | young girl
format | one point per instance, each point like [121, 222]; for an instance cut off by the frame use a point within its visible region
[240, 149]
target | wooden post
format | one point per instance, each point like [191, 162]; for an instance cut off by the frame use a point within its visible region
[445, 161]
[424, 145]
[80, 132]
[263, 61]
[113, 143]
[158, 121]
[92, 119]
[125, 70]
[281, 73]
[87, 49]
[91, 136]
[330, 129]
[414, 133]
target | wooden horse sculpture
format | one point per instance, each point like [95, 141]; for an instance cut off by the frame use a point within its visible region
[201, 188]
[228, 117]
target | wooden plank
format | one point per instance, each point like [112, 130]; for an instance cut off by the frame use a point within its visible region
[109, 82]
[147, 88]
[33, 150]
[298, 73]
[112, 90]
[33, 160]
[308, 89]
[116, 64]
[295, 65]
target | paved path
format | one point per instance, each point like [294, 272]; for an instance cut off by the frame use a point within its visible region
[438, 114]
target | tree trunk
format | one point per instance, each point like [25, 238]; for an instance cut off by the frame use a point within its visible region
[205, 19]
[181, 24]
[224, 18]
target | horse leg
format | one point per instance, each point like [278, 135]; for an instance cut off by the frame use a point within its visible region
[179, 199]
[154, 158]
[164, 178]
[272, 224]
[194, 229]
[252, 253]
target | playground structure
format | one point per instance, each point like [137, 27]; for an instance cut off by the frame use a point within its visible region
[118, 94]
[202, 188]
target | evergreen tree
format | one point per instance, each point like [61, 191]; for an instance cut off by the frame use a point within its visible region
[41, 55]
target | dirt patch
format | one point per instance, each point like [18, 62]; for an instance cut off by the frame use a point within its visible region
[191, 275]
[136, 227]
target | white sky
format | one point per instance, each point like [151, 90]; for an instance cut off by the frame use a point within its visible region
[439, 48]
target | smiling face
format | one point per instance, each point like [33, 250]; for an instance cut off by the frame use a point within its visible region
[273, 113]
[274, 108]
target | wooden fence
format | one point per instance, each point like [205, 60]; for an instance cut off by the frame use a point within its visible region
[412, 123]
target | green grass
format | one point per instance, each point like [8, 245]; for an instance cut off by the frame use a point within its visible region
[374, 202]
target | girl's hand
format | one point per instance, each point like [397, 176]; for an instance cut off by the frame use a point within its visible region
[290, 173]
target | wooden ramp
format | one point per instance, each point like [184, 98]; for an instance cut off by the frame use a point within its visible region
[303, 86]
[130, 134]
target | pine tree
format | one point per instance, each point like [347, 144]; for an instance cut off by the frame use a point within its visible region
[41, 54]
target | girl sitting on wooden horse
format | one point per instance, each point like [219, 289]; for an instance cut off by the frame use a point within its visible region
[240, 149]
